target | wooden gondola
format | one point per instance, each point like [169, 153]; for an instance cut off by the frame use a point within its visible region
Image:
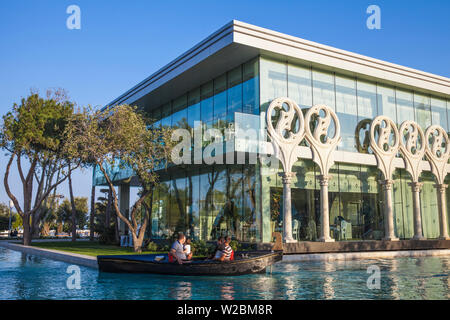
[246, 262]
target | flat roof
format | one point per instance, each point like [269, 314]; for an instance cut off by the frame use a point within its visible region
[238, 42]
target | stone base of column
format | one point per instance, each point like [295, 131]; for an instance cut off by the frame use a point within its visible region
[289, 240]
[322, 239]
[419, 238]
[391, 239]
[444, 238]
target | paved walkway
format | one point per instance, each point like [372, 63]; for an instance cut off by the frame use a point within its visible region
[72, 258]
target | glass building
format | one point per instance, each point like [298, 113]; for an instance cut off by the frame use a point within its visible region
[231, 77]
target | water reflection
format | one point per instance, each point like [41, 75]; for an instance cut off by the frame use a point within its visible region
[182, 290]
[403, 278]
[328, 290]
[227, 291]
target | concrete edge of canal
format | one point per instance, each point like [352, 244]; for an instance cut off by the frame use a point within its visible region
[72, 258]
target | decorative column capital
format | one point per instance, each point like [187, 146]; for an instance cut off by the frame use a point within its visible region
[416, 186]
[386, 184]
[324, 179]
[441, 187]
[287, 177]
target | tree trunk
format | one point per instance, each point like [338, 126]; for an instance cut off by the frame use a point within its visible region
[74, 211]
[92, 216]
[35, 222]
[137, 243]
[26, 230]
[116, 227]
[108, 210]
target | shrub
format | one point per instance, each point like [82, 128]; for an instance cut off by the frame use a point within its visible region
[152, 246]
[108, 236]
[201, 248]
[235, 245]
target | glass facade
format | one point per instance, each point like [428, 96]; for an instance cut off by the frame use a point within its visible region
[245, 201]
[355, 196]
[205, 201]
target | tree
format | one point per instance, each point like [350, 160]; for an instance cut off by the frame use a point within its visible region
[65, 213]
[33, 132]
[119, 137]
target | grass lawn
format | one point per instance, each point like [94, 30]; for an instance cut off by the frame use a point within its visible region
[85, 247]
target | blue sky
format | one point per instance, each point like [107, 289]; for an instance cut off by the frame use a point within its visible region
[122, 42]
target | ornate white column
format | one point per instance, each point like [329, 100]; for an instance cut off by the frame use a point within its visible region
[412, 146]
[323, 147]
[285, 140]
[384, 141]
[438, 151]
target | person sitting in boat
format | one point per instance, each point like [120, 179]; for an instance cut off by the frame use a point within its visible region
[227, 252]
[177, 250]
[187, 249]
[218, 249]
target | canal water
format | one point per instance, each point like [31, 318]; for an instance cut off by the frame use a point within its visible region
[30, 277]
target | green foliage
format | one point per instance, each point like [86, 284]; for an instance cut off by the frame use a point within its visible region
[108, 236]
[36, 125]
[152, 246]
[64, 213]
[18, 223]
[235, 245]
[202, 248]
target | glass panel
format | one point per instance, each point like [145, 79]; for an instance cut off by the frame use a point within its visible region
[367, 100]
[300, 86]
[439, 113]
[193, 107]
[178, 216]
[220, 97]
[323, 88]
[346, 109]
[367, 111]
[192, 205]
[386, 102]
[423, 110]
[305, 203]
[233, 208]
[234, 92]
[207, 109]
[166, 115]
[403, 211]
[273, 81]
[220, 222]
[350, 222]
[250, 230]
[250, 87]
[405, 107]
[371, 206]
[179, 117]
[430, 215]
